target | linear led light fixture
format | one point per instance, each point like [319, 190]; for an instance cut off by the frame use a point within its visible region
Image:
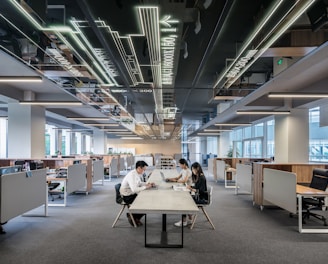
[58, 29]
[298, 95]
[88, 118]
[276, 35]
[249, 41]
[97, 124]
[217, 130]
[227, 97]
[114, 130]
[51, 103]
[120, 133]
[261, 112]
[208, 134]
[232, 124]
[20, 79]
[131, 138]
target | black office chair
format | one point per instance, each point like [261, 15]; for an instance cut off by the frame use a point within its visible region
[52, 190]
[119, 200]
[319, 181]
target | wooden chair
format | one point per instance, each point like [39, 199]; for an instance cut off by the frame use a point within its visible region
[202, 207]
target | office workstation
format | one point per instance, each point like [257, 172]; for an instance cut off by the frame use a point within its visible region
[238, 86]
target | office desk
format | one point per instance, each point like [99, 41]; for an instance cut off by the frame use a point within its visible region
[52, 178]
[303, 191]
[163, 200]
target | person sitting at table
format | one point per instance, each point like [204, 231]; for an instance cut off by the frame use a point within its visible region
[184, 176]
[131, 185]
[198, 190]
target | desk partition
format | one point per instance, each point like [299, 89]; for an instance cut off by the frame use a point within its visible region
[76, 177]
[21, 192]
[98, 170]
[279, 188]
[244, 179]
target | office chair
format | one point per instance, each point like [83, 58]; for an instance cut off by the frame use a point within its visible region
[119, 200]
[52, 191]
[319, 181]
[202, 207]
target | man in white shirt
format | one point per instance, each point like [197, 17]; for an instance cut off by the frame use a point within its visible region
[132, 185]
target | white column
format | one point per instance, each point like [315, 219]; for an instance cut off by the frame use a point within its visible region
[292, 137]
[26, 131]
[99, 142]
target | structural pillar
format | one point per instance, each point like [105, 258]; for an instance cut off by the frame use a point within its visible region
[26, 131]
[292, 136]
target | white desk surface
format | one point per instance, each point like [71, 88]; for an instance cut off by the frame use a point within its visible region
[164, 199]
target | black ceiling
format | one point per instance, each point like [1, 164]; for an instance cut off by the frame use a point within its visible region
[224, 27]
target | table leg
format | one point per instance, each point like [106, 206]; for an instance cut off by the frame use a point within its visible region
[163, 242]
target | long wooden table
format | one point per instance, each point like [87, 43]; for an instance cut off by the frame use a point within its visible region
[163, 200]
[303, 191]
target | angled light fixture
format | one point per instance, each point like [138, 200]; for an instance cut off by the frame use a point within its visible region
[261, 112]
[232, 124]
[51, 103]
[298, 95]
[20, 79]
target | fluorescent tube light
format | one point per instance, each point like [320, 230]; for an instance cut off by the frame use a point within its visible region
[51, 103]
[298, 95]
[20, 79]
[261, 112]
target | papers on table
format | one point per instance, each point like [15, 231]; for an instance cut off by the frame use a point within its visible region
[180, 188]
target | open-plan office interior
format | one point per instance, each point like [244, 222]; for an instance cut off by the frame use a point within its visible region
[90, 87]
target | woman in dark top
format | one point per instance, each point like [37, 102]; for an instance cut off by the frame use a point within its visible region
[198, 190]
[200, 186]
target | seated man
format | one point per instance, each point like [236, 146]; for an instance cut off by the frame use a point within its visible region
[132, 185]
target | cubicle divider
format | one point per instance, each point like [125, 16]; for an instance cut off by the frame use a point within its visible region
[279, 188]
[98, 171]
[244, 179]
[76, 177]
[22, 192]
[122, 164]
[220, 170]
[113, 167]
